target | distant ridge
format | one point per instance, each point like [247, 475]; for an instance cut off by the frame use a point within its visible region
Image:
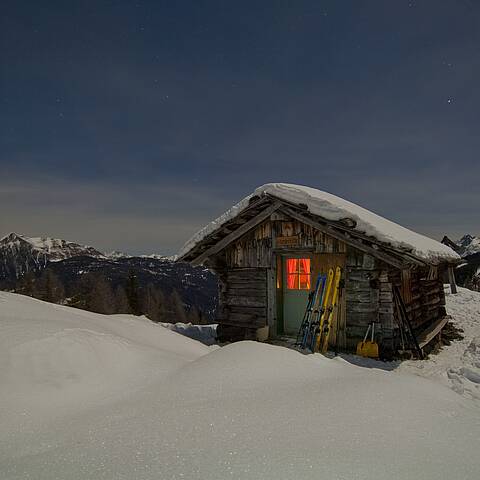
[467, 245]
[22, 258]
[21, 254]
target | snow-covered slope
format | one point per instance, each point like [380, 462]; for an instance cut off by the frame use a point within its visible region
[335, 208]
[458, 364]
[207, 334]
[84, 395]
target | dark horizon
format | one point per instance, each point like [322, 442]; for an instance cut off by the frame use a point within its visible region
[130, 125]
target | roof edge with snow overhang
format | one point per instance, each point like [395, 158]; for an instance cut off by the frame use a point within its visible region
[322, 210]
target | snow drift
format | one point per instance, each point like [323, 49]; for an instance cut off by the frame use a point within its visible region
[84, 395]
[207, 334]
[457, 365]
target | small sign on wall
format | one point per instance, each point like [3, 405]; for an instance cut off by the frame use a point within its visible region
[292, 241]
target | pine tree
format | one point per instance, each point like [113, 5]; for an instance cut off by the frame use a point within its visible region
[153, 303]
[177, 308]
[161, 307]
[149, 302]
[101, 298]
[121, 301]
[133, 293]
[194, 316]
[27, 285]
[82, 292]
[50, 287]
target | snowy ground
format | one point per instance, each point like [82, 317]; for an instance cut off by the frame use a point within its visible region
[86, 396]
[457, 365]
[207, 334]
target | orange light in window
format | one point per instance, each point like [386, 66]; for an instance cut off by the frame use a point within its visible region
[298, 273]
[292, 268]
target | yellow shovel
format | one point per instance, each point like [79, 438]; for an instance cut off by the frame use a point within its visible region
[368, 348]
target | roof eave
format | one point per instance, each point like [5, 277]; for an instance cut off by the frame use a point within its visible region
[405, 257]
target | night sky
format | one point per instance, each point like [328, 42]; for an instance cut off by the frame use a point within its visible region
[129, 125]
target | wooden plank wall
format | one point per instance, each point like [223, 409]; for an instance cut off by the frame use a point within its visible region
[242, 302]
[362, 291]
[425, 301]
[255, 249]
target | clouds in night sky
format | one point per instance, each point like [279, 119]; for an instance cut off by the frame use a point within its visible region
[129, 125]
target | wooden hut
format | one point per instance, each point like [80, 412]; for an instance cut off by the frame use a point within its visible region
[269, 248]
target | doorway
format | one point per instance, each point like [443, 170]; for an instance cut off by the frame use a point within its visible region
[296, 278]
[297, 283]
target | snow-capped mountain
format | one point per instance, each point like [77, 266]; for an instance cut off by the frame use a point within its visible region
[467, 245]
[70, 261]
[20, 254]
[468, 273]
[115, 255]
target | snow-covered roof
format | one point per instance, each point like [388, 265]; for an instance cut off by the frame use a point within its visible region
[333, 208]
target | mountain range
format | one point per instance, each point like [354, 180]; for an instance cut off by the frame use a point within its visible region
[70, 262]
[468, 272]
[466, 246]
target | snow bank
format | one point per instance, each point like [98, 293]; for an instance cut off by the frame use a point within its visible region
[458, 364]
[84, 395]
[207, 334]
[335, 208]
[56, 356]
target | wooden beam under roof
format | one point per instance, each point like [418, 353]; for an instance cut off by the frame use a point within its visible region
[225, 241]
[347, 238]
[410, 257]
[241, 218]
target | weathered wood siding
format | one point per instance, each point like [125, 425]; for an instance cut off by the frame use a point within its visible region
[423, 295]
[256, 248]
[369, 292]
[362, 291]
[242, 302]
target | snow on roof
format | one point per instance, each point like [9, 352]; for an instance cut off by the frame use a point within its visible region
[335, 208]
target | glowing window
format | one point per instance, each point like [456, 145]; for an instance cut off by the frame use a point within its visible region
[298, 273]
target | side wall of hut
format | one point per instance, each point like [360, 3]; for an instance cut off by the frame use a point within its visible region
[422, 293]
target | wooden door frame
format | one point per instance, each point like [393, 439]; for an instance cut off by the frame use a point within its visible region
[278, 326]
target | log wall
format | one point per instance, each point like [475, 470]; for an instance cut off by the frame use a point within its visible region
[362, 291]
[423, 295]
[242, 302]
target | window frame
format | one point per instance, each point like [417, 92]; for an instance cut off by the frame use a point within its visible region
[302, 273]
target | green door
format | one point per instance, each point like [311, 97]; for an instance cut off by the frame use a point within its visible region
[296, 287]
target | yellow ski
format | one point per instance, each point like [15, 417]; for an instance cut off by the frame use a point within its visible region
[328, 325]
[324, 307]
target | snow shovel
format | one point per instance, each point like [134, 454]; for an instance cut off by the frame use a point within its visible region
[368, 348]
